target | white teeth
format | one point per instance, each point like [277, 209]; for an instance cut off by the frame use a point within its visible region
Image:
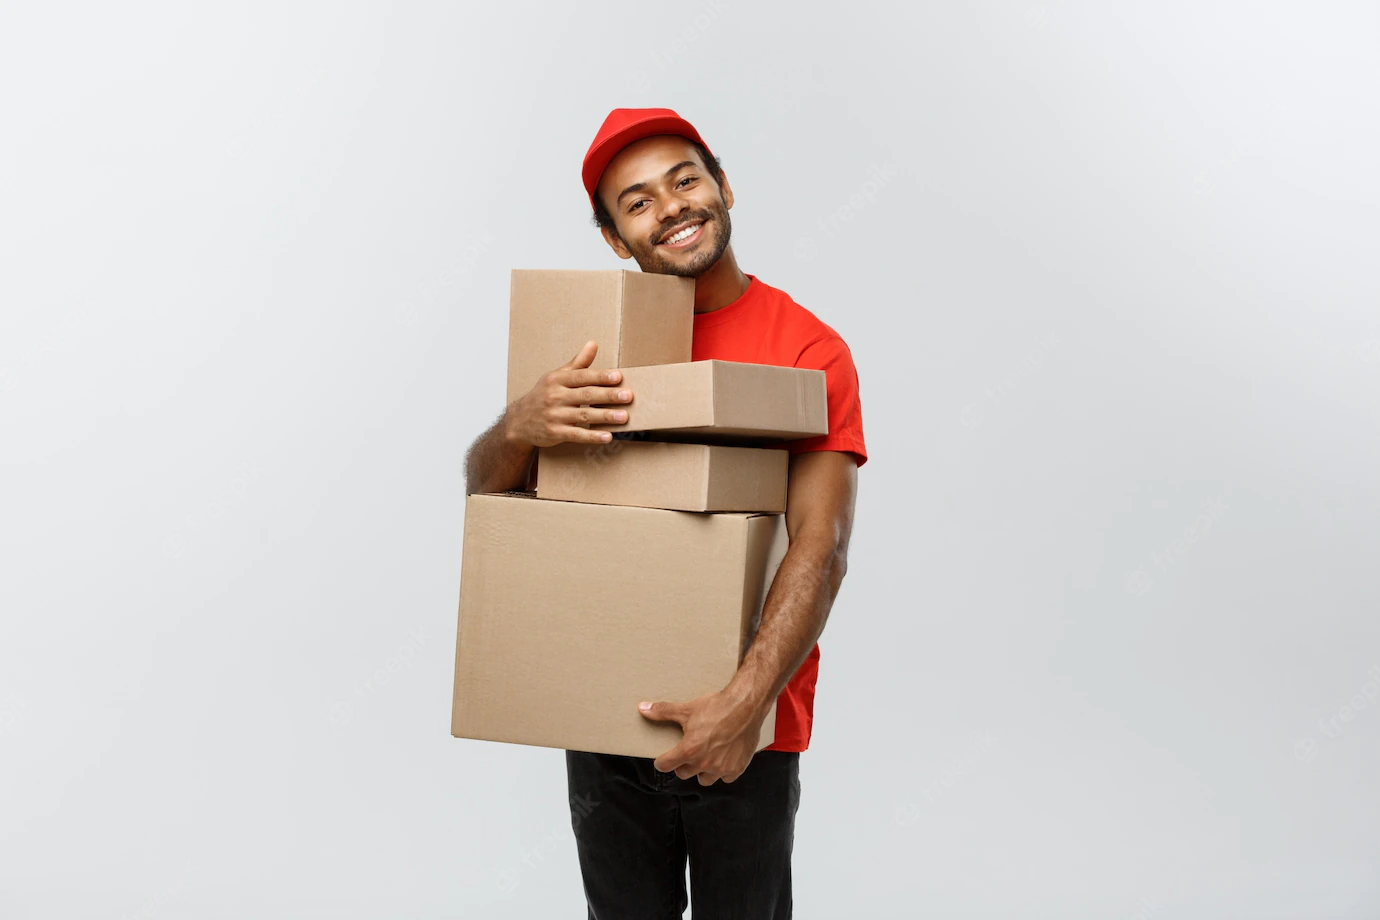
[684, 234]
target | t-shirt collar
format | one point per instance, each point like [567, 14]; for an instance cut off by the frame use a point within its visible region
[736, 308]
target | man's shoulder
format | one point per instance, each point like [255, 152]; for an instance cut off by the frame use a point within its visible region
[804, 327]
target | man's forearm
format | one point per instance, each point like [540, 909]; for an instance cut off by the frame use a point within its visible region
[496, 462]
[793, 618]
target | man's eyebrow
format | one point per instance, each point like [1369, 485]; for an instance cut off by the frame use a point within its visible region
[639, 186]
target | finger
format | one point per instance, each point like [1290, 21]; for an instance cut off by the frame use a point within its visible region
[664, 712]
[581, 377]
[707, 779]
[674, 760]
[598, 396]
[594, 396]
[584, 358]
[588, 415]
[577, 435]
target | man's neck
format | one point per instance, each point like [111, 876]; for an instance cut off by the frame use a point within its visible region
[721, 285]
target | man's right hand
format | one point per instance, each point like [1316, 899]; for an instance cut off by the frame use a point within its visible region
[561, 406]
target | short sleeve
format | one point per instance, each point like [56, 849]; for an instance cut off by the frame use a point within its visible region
[832, 356]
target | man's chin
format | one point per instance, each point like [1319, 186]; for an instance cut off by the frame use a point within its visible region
[692, 265]
[688, 269]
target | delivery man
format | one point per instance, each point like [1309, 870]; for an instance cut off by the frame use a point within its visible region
[660, 198]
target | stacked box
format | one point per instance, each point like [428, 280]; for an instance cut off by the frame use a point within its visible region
[639, 568]
[557, 646]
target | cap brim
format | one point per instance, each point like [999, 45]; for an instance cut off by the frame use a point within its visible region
[599, 158]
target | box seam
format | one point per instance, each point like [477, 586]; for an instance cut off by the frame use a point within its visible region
[467, 541]
[745, 616]
[708, 477]
[622, 310]
[713, 392]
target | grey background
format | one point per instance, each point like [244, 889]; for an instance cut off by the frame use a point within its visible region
[1107, 643]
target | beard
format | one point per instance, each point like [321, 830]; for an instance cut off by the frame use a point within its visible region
[717, 230]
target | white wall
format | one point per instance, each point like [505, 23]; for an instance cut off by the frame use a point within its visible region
[1114, 304]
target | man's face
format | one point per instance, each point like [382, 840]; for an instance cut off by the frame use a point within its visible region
[669, 214]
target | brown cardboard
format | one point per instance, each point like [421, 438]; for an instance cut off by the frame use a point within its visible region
[725, 400]
[657, 474]
[636, 317]
[573, 613]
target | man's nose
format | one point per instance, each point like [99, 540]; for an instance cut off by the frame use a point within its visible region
[670, 207]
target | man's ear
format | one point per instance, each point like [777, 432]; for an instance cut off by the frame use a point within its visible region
[725, 190]
[615, 243]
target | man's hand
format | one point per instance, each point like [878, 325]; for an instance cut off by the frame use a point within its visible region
[721, 729]
[721, 732]
[561, 406]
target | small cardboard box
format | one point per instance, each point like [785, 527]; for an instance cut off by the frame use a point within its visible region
[636, 317]
[571, 614]
[658, 474]
[725, 401]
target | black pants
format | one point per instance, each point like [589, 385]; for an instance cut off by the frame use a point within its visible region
[635, 827]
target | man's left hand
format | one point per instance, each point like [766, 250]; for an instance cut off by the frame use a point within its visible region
[720, 736]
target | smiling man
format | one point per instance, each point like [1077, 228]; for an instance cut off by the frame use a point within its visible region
[660, 198]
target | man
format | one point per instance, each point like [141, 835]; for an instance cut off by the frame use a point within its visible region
[660, 197]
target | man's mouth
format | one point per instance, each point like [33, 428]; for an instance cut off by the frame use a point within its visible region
[683, 236]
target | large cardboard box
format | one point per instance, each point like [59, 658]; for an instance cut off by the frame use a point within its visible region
[636, 317]
[725, 401]
[571, 614]
[658, 474]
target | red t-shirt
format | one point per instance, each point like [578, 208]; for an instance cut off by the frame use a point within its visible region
[764, 326]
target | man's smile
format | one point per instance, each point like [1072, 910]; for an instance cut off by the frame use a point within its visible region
[683, 236]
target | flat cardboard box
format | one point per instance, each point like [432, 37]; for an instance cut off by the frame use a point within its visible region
[636, 317]
[725, 400]
[571, 614]
[658, 474]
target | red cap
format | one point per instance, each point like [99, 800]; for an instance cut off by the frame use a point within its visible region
[621, 128]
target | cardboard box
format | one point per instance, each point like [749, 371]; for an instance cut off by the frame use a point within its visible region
[636, 317]
[725, 401]
[658, 474]
[571, 614]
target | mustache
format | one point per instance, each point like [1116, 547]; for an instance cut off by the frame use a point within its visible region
[684, 218]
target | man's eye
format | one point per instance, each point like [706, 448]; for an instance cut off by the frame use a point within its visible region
[685, 180]
[635, 205]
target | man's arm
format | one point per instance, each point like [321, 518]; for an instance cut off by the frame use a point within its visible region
[498, 462]
[721, 729]
[559, 408]
[819, 520]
